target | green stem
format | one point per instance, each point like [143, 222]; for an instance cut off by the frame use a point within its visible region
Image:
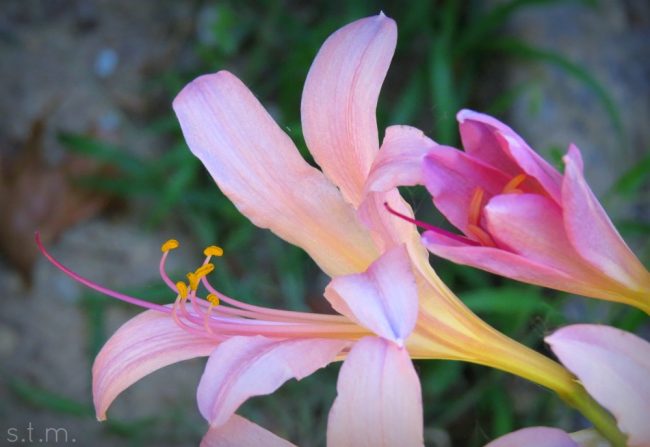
[602, 420]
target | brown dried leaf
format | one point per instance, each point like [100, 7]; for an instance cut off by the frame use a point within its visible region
[38, 196]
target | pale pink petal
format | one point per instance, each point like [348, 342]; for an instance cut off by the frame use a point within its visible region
[386, 229]
[142, 345]
[242, 367]
[614, 367]
[535, 437]
[384, 298]
[531, 225]
[512, 145]
[379, 401]
[452, 176]
[399, 162]
[258, 167]
[340, 98]
[592, 233]
[240, 432]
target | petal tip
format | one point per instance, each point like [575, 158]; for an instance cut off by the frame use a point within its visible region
[201, 82]
[467, 114]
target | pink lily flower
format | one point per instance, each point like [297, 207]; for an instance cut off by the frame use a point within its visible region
[519, 216]
[345, 229]
[614, 367]
[253, 351]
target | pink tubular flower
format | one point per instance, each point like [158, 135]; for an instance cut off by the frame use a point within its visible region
[392, 305]
[614, 367]
[520, 217]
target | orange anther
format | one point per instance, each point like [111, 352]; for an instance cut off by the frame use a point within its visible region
[193, 279]
[511, 186]
[475, 205]
[204, 270]
[169, 245]
[182, 289]
[213, 250]
[213, 299]
[483, 236]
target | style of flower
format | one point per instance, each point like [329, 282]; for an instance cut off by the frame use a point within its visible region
[520, 217]
[345, 229]
[614, 367]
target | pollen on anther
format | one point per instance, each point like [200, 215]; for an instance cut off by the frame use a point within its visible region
[213, 299]
[169, 245]
[204, 270]
[182, 289]
[193, 279]
[213, 250]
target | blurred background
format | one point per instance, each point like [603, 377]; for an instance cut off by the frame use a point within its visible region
[92, 156]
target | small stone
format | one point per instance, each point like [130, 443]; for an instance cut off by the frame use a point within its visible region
[106, 62]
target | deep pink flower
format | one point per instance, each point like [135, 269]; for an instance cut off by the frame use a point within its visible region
[614, 367]
[519, 216]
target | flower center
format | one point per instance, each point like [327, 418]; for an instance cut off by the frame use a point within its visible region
[474, 230]
[476, 204]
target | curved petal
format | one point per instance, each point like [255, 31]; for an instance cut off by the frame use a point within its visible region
[258, 167]
[240, 432]
[242, 367]
[591, 232]
[340, 98]
[379, 401]
[142, 345]
[399, 162]
[480, 141]
[452, 176]
[502, 262]
[511, 144]
[384, 298]
[535, 437]
[531, 225]
[614, 367]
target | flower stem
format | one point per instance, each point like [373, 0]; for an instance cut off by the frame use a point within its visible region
[602, 420]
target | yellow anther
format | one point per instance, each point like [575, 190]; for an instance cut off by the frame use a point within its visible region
[213, 299]
[169, 245]
[204, 270]
[193, 279]
[182, 289]
[213, 250]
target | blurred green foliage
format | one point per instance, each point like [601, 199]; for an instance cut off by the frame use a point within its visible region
[444, 48]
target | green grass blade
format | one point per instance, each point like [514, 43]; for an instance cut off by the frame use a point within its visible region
[101, 151]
